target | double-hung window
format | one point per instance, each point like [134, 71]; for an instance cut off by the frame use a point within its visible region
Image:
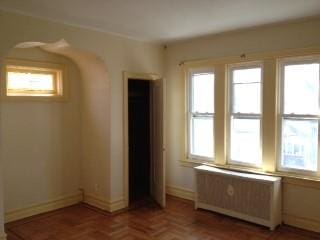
[201, 115]
[299, 114]
[245, 114]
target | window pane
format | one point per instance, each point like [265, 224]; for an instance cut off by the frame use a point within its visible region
[202, 136]
[19, 82]
[300, 144]
[202, 93]
[245, 141]
[246, 90]
[301, 89]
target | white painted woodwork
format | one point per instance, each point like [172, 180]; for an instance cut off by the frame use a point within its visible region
[158, 188]
[251, 197]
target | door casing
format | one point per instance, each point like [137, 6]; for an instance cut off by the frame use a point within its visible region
[126, 77]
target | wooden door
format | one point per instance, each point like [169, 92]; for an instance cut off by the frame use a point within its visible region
[158, 166]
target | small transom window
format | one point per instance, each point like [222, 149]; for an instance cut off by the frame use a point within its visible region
[26, 80]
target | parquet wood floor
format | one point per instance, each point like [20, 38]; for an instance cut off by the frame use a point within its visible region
[178, 221]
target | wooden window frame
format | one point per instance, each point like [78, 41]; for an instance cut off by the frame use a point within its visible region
[58, 71]
[270, 112]
[258, 116]
[192, 157]
[281, 63]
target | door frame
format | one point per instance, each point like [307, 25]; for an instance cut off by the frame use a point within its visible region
[126, 77]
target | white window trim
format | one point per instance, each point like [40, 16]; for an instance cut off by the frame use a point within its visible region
[230, 68]
[58, 70]
[280, 66]
[193, 157]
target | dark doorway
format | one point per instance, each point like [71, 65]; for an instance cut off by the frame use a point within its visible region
[139, 139]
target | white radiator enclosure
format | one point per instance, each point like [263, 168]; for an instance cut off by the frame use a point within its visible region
[251, 197]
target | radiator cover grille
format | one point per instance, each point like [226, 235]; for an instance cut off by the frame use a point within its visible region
[251, 197]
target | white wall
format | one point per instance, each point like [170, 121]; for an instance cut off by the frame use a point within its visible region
[40, 141]
[301, 204]
[119, 54]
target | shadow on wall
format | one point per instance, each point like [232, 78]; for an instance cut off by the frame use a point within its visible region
[94, 119]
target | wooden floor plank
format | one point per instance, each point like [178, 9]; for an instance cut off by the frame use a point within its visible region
[178, 221]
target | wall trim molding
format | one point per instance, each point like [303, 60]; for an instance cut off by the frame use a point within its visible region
[180, 192]
[48, 206]
[115, 205]
[3, 236]
[104, 204]
[95, 201]
[308, 224]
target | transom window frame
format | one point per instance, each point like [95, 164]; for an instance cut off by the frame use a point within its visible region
[57, 70]
[190, 73]
[229, 69]
[281, 63]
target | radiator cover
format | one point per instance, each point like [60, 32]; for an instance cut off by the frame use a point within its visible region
[251, 197]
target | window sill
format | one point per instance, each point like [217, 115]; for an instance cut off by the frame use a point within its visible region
[195, 162]
[291, 178]
[34, 98]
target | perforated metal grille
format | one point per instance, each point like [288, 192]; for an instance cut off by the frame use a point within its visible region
[244, 196]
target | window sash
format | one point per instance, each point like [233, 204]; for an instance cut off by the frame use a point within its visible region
[191, 154]
[190, 92]
[280, 166]
[56, 75]
[194, 114]
[244, 115]
[294, 116]
[30, 91]
[243, 66]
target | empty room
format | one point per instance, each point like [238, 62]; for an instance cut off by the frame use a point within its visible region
[160, 120]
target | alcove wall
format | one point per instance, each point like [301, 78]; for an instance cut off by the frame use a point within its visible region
[103, 172]
[41, 141]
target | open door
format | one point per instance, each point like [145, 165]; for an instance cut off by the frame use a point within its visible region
[158, 166]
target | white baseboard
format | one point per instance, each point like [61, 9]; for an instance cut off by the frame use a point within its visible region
[180, 192]
[295, 221]
[300, 222]
[115, 205]
[95, 201]
[104, 204]
[50, 205]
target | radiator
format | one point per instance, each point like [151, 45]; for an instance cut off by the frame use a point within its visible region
[251, 197]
